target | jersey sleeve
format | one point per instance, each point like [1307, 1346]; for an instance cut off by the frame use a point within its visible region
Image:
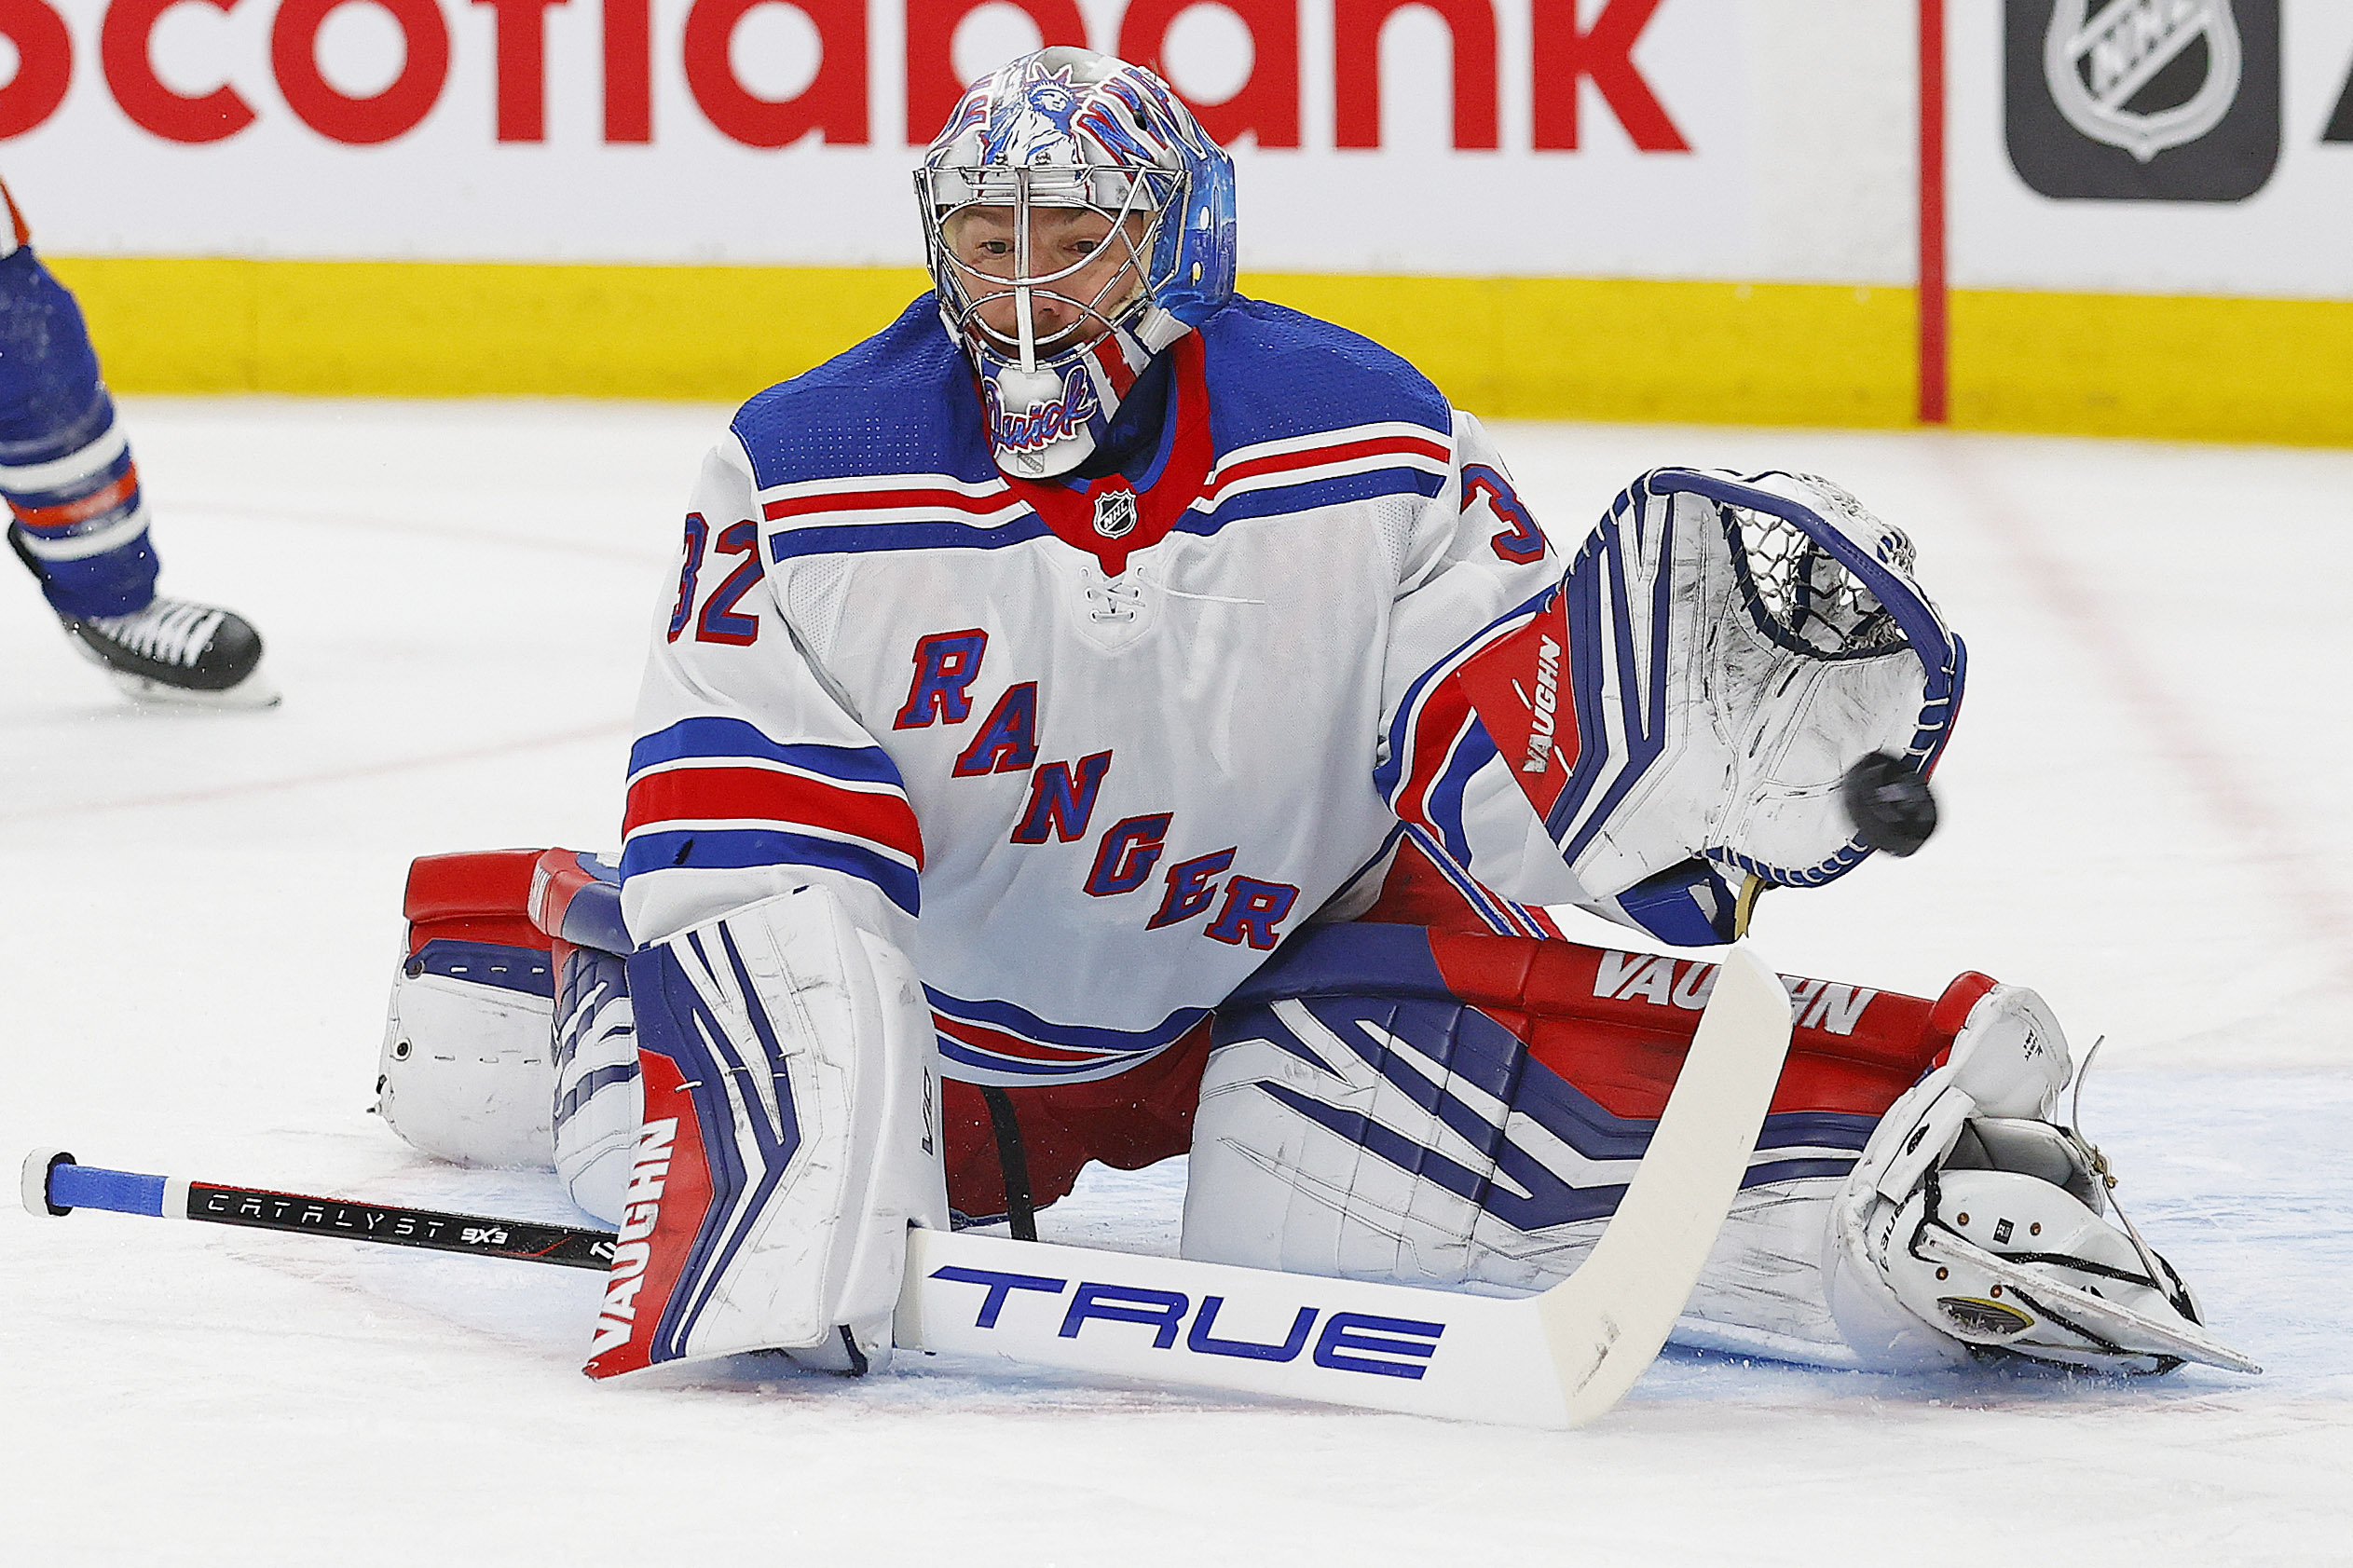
[1477, 575]
[749, 776]
[1504, 738]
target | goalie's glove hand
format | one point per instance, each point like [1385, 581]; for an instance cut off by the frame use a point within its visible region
[1975, 1224]
[1792, 645]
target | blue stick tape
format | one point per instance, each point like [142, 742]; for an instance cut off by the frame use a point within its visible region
[121, 1191]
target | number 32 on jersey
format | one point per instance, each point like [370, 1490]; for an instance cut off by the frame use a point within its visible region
[719, 621]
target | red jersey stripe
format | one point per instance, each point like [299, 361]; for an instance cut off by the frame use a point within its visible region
[706, 794]
[997, 1042]
[1321, 457]
[889, 501]
[1445, 715]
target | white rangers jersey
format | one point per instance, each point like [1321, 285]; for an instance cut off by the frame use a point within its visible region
[1088, 751]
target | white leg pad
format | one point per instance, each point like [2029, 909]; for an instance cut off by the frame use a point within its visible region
[596, 1107]
[792, 1053]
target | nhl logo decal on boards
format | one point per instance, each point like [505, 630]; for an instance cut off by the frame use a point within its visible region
[2142, 99]
[2095, 71]
[1115, 514]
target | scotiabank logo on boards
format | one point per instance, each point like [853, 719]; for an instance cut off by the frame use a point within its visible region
[834, 106]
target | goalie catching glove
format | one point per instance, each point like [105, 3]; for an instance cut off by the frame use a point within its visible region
[1692, 701]
[1800, 646]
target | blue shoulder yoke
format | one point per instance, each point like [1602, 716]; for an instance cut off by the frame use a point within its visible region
[904, 401]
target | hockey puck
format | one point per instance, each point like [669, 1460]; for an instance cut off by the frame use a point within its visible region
[1891, 805]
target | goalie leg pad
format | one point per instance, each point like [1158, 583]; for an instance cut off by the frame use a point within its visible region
[1975, 1224]
[1466, 1111]
[576, 903]
[789, 1138]
[596, 1111]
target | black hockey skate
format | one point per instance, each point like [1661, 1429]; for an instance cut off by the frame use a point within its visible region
[175, 651]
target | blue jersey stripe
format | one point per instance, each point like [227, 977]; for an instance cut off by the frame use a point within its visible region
[1281, 500]
[1013, 1020]
[1473, 750]
[722, 740]
[957, 1052]
[859, 539]
[734, 848]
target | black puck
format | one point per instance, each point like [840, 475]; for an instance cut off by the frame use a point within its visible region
[1891, 805]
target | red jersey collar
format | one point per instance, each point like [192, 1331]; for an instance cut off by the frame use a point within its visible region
[1183, 479]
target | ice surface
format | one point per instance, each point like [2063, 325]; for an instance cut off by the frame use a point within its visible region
[2141, 818]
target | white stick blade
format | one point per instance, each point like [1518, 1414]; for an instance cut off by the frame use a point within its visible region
[1607, 1322]
[1214, 1326]
[1175, 1321]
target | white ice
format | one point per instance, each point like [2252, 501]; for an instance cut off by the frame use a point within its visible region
[2142, 819]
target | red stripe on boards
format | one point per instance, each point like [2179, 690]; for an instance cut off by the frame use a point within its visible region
[1936, 325]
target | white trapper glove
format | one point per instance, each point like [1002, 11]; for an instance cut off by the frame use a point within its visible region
[1974, 1224]
[1797, 643]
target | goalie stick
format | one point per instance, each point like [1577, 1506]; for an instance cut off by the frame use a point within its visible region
[55, 1183]
[1556, 1359]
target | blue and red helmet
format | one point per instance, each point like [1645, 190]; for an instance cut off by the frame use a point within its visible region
[1068, 129]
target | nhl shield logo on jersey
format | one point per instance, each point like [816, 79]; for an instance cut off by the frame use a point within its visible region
[1115, 514]
[2099, 72]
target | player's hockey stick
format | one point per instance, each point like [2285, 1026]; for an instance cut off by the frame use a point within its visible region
[1556, 1359]
[54, 1183]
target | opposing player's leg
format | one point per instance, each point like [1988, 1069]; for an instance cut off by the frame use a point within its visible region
[1466, 1111]
[79, 521]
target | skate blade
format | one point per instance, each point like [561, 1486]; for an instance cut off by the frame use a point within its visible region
[254, 692]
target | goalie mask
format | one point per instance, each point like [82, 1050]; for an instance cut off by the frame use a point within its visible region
[1032, 154]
